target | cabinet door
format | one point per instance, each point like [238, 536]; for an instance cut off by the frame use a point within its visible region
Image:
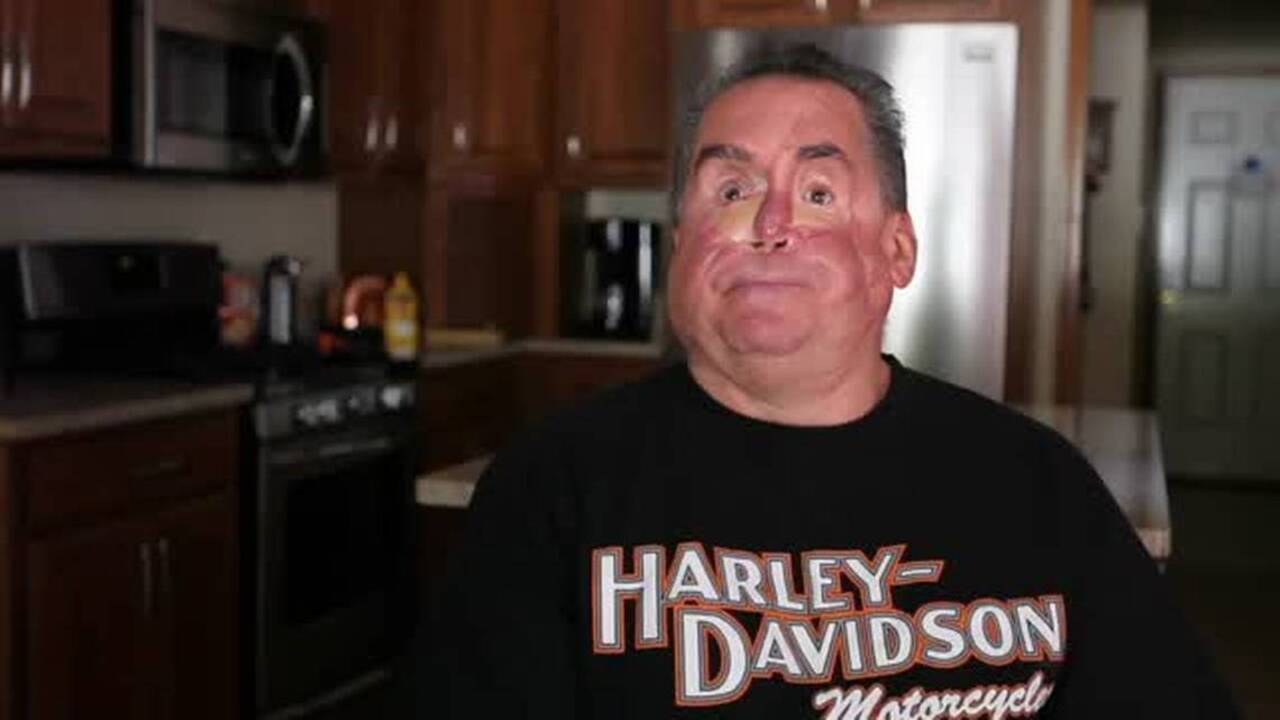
[58, 73]
[929, 10]
[759, 13]
[91, 630]
[357, 106]
[402, 32]
[198, 597]
[478, 254]
[614, 92]
[491, 85]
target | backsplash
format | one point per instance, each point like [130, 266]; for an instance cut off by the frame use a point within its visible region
[249, 222]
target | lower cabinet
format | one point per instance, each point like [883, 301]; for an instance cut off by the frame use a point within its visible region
[93, 631]
[132, 613]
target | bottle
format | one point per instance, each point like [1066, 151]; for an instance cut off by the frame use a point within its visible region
[400, 320]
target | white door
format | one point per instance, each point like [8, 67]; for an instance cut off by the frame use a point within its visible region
[1218, 253]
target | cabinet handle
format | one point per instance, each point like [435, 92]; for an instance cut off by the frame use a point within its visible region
[371, 133]
[460, 139]
[6, 71]
[865, 5]
[166, 578]
[160, 469]
[573, 146]
[391, 135]
[24, 74]
[148, 584]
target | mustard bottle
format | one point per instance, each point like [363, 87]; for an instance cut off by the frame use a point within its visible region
[400, 328]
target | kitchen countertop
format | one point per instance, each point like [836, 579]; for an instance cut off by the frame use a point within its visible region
[1123, 444]
[550, 346]
[41, 406]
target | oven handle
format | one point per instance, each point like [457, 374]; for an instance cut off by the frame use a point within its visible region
[290, 49]
[332, 451]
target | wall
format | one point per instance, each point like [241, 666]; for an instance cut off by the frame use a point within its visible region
[249, 222]
[1118, 73]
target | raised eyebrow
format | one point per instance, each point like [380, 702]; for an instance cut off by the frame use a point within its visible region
[722, 151]
[821, 150]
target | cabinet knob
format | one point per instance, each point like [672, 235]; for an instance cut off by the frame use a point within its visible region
[371, 134]
[148, 583]
[573, 146]
[391, 136]
[865, 4]
[6, 71]
[821, 5]
[460, 139]
[24, 71]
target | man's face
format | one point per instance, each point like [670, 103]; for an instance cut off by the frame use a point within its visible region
[784, 246]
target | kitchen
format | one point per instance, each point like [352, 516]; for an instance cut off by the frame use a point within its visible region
[472, 146]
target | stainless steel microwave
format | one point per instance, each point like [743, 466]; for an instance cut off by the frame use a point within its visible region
[223, 87]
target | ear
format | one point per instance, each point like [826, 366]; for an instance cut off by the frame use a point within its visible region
[900, 249]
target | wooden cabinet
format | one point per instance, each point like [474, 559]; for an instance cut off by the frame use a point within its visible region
[197, 592]
[473, 408]
[760, 13]
[375, 98]
[477, 254]
[379, 224]
[491, 86]
[125, 603]
[930, 10]
[789, 13]
[468, 410]
[613, 93]
[91, 631]
[55, 78]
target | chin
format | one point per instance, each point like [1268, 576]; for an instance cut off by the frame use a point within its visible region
[765, 334]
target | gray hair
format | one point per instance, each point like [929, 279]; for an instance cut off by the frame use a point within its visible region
[880, 108]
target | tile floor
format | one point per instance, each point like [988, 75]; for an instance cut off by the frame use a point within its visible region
[1226, 572]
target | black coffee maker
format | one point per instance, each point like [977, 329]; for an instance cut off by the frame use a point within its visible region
[609, 278]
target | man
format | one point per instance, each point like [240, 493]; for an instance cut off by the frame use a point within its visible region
[793, 525]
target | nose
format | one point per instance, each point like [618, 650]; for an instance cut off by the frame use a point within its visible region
[772, 225]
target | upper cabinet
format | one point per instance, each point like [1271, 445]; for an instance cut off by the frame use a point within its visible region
[376, 118]
[491, 86]
[930, 10]
[55, 78]
[760, 13]
[613, 93]
[791, 13]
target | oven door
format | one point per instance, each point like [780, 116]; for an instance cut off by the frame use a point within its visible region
[335, 563]
[222, 88]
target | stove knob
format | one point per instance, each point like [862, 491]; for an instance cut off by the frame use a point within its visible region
[396, 397]
[307, 416]
[329, 411]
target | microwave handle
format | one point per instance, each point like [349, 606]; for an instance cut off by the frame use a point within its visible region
[287, 154]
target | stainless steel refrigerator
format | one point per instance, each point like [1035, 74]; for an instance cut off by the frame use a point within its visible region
[956, 83]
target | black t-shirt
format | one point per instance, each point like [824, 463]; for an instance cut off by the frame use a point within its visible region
[653, 554]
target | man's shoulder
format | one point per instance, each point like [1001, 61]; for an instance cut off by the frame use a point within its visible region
[944, 406]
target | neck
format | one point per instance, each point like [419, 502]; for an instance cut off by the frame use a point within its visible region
[774, 390]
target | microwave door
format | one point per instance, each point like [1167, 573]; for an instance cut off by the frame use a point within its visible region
[210, 107]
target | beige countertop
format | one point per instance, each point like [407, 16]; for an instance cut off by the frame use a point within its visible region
[1123, 444]
[550, 346]
[41, 406]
